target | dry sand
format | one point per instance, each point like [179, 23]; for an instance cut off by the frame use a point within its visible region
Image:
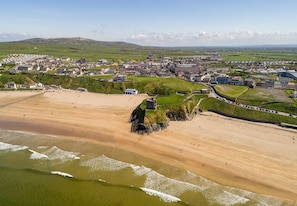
[261, 158]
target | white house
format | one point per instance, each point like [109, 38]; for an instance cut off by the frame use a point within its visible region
[10, 85]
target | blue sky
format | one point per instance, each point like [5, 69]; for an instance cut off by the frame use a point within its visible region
[153, 22]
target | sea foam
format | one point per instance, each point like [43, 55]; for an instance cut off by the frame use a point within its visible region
[159, 182]
[36, 155]
[161, 195]
[61, 174]
[11, 147]
[105, 164]
[55, 153]
[227, 198]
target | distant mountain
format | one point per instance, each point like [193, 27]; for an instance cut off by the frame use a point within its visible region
[79, 41]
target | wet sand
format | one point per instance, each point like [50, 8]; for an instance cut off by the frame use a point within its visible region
[261, 158]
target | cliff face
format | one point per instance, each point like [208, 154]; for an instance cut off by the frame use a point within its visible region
[138, 125]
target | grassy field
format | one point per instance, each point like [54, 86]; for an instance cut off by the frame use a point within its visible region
[260, 54]
[212, 104]
[170, 100]
[230, 91]
[261, 96]
[290, 108]
[92, 50]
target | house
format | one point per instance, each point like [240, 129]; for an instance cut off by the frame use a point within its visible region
[10, 85]
[269, 83]
[119, 78]
[291, 85]
[24, 68]
[131, 91]
[277, 85]
[103, 61]
[250, 83]
[236, 81]
[109, 71]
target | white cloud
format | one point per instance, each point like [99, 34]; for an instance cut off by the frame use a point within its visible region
[202, 38]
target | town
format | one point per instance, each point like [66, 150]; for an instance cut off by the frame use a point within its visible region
[209, 68]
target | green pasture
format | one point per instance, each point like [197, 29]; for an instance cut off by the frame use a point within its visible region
[230, 91]
[260, 54]
[162, 86]
[92, 50]
[212, 104]
[261, 96]
[169, 100]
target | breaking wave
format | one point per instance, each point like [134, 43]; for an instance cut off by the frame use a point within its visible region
[61, 174]
[162, 196]
[55, 153]
[11, 147]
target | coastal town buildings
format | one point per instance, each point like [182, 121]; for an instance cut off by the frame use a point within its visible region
[204, 68]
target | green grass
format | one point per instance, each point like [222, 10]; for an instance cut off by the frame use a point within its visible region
[280, 54]
[172, 107]
[92, 50]
[171, 99]
[290, 108]
[212, 104]
[230, 91]
[162, 86]
[105, 77]
[261, 96]
[150, 85]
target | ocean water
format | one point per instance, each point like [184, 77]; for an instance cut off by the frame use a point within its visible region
[47, 170]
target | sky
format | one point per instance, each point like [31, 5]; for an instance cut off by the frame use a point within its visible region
[153, 22]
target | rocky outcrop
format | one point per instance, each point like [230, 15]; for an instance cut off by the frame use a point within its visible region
[138, 125]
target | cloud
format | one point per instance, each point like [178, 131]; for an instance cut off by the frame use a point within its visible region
[202, 38]
[14, 36]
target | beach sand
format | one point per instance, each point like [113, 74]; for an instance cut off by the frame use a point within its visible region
[261, 158]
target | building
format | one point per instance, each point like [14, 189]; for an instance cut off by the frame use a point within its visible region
[131, 91]
[292, 75]
[151, 104]
[10, 85]
[250, 83]
[24, 68]
[222, 80]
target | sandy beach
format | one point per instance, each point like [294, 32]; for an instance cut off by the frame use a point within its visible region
[261, 158]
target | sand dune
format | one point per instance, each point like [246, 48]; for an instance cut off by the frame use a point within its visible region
[258, 157]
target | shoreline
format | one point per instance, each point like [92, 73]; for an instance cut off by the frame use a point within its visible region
[252, 156]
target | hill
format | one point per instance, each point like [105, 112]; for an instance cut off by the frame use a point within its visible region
[76, 48]
[79, 41]
[93, 50]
